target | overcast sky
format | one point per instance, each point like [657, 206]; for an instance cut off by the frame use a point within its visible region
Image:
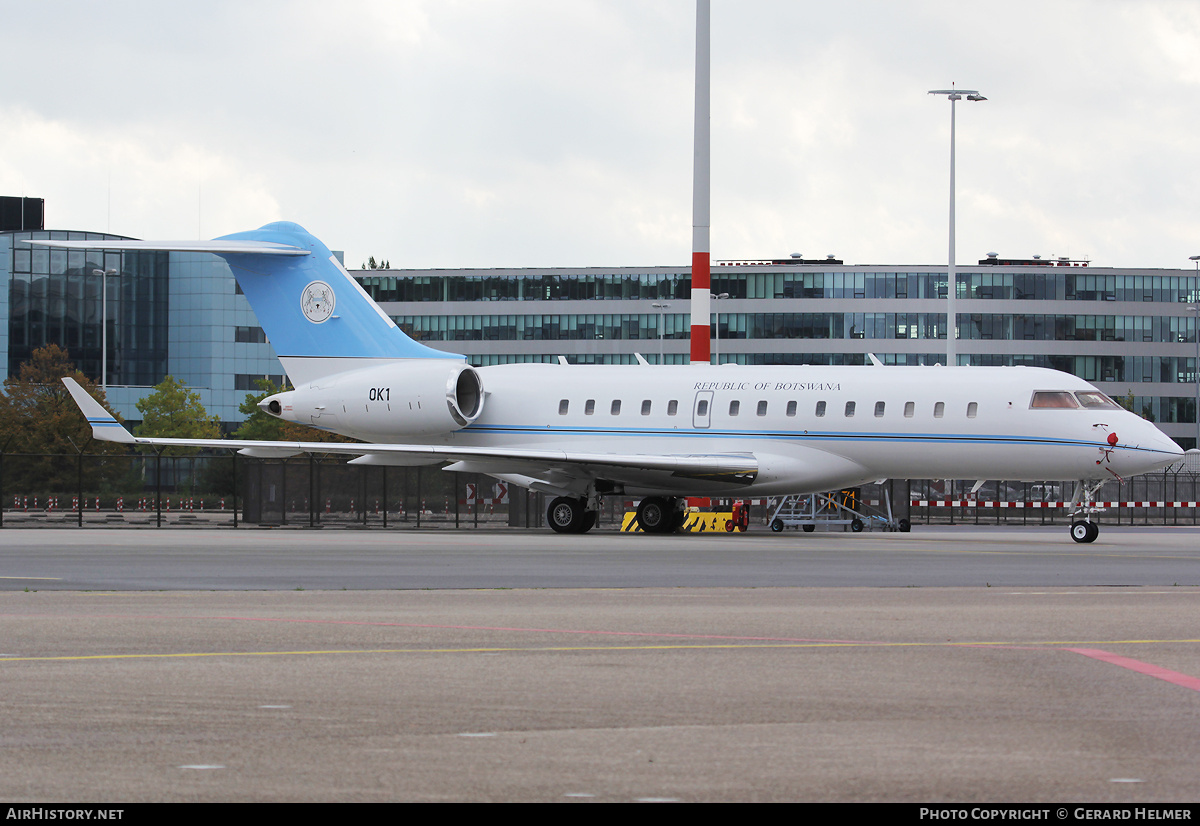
[456, 133]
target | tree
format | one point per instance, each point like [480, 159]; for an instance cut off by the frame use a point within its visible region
[259, 425]
[38, 416]
[173, 411]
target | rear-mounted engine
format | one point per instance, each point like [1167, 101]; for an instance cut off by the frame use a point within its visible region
[387, 402]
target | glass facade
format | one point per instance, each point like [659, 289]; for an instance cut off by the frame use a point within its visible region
[57, 297]
[1061, 284]
[168, 313]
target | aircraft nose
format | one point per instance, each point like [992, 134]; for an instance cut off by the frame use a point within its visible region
[1153, 449]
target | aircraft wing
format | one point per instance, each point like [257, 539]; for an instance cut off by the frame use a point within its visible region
[735, 468]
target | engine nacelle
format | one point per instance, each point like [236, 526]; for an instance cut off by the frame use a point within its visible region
[388, 402]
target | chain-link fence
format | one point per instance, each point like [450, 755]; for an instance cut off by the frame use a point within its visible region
[311, 491]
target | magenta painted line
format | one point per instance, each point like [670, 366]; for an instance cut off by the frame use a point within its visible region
[1142, 668]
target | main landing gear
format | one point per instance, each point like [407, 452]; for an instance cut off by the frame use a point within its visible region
[568, 515]
[660, 514]
[1084, 529]
[655, 514]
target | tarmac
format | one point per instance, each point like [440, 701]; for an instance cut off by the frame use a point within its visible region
[960, 665]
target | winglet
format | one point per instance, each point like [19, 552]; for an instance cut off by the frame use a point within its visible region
[104, 426]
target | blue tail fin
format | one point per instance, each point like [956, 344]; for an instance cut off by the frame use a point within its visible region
[317, 317]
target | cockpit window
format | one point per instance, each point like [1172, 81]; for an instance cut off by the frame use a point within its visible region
[1053, 399]
[1094, 400]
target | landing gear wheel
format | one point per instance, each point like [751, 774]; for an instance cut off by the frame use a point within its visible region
[777, 525]
[656, 514]
[566, 515]
[589, 521]
[904, 525]
[681, 518]
[856, 525]
[1084, 531]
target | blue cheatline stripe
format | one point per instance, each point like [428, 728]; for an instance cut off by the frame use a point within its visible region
[109, 422]
[850, 436]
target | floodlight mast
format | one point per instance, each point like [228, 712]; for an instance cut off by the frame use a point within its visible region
[953, 95]
[1195, 309]
[701, 272]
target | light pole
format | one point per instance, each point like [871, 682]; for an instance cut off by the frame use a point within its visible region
[661, 320]
[953, 95]
[1195, 308]
[717, 313]
[104, 274]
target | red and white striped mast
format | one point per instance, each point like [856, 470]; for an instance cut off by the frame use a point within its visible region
[701, 273]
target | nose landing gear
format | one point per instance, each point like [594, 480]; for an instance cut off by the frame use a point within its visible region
[1085, 530]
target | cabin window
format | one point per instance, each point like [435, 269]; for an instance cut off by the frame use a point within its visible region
[972, 410]
[1053, 400]
[672, 407]
[1096, 401]
[562, 407]
[820, 409]
[645, 407]
[616, 407]
[909, 409]
[762, 408]
[589, 407]
[878, 410]
[939, 410]
[849, 409]
[734, 407]
[791, 409]
[702, 408]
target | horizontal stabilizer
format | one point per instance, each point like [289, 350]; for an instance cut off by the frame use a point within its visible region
[217, 246]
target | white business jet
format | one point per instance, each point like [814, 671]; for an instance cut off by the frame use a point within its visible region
[580, 433]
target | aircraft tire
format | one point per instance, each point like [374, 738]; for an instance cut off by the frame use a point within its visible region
[589, 521]
[681, 517]
[1084, 531]
[566, 515]
[655, 515]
